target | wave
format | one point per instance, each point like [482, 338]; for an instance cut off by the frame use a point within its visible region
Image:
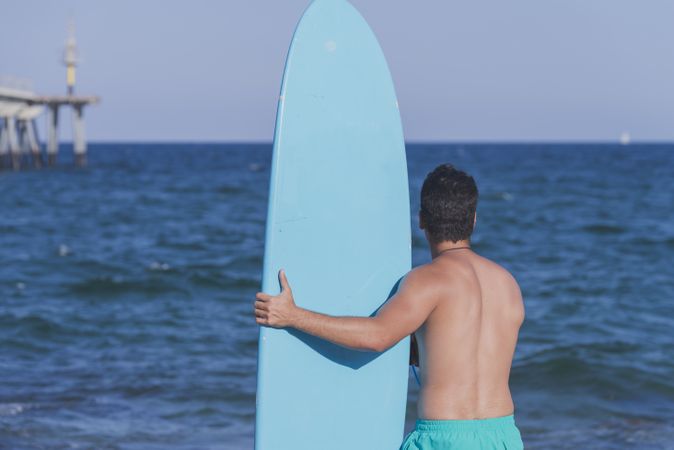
[652, 240]
[602, 229]
[228, 189]
[115, 286]
[596, 367]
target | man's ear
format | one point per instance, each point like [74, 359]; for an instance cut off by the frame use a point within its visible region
[422, 224]
[475, 219]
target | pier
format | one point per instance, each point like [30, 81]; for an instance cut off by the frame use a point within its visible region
[19, 110]
[20, 107]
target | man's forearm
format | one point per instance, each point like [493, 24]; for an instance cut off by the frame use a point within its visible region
[359, 333]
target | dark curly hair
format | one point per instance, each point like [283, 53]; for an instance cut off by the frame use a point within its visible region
[448, 204]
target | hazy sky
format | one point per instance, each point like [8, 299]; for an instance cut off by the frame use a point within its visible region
[464, 70]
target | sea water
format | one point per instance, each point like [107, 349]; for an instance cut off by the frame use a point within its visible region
[126, 292]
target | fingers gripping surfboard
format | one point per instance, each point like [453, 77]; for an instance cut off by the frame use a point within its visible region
[339, 224]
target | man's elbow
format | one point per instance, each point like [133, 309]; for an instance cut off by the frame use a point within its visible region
[380, 337]
[379, 343]
[380, 347]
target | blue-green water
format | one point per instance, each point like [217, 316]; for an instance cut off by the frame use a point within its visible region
[126, 291]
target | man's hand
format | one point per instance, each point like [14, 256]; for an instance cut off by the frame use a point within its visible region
[278, 311]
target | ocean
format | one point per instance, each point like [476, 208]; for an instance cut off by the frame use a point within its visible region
[126, 292]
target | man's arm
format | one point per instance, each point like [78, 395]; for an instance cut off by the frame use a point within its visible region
[400, 316]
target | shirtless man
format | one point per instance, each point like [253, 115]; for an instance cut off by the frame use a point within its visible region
[465, 312]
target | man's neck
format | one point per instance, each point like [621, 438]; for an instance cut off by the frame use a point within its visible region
[444, 246]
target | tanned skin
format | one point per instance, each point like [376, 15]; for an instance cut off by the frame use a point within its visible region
[465, 311]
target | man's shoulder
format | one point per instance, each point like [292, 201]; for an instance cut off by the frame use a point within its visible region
[503, 281]
[497, 272]
[423, 279]
[435, 281]
[420, 274]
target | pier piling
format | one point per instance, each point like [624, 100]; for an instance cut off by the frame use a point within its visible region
[14, 149]
[52, 134]
[3, 145]
[79, 141]
[28, 141]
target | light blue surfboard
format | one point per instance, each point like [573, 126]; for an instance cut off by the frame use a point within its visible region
[339, 224]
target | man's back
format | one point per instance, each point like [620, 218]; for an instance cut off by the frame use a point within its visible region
[467, 343]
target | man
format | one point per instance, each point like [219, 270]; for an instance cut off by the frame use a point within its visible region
[465, 312]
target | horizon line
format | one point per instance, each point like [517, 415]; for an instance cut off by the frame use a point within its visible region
[407, 142]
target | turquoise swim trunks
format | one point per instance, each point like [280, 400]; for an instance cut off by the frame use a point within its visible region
[481, 434]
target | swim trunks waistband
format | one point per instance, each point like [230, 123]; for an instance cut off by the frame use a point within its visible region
[495, 423]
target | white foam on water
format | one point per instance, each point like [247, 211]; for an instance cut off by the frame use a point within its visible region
[13, 409]
[158, 266]
[64, 250]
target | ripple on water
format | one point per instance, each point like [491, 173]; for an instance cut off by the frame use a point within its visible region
[109, 286]
[604, 229]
